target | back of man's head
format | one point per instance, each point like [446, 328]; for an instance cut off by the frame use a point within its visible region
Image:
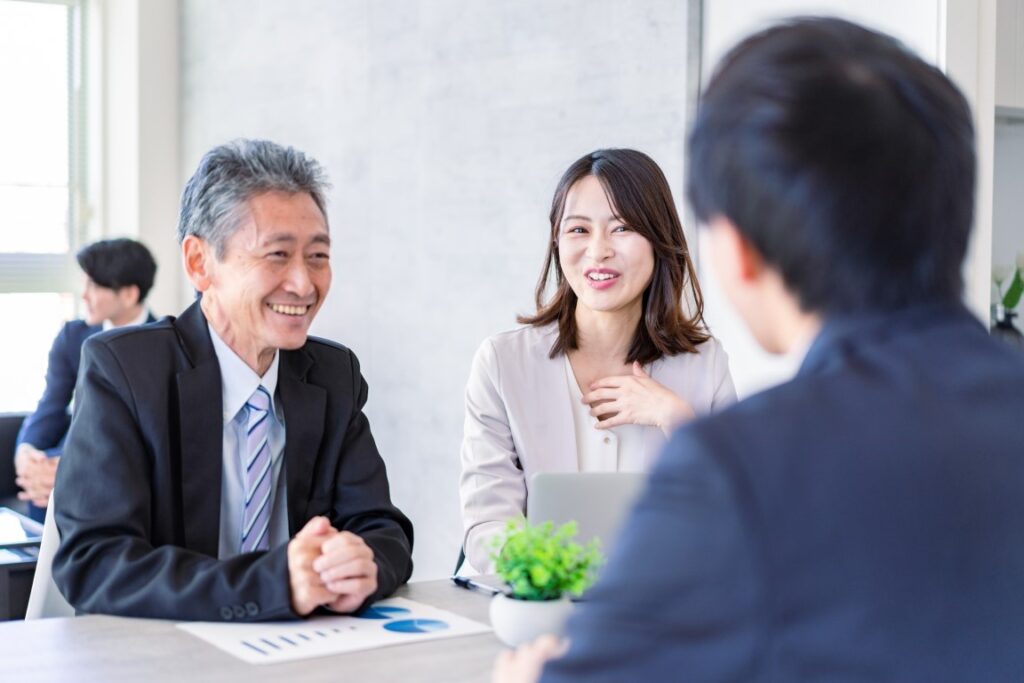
[118, 263]
[844, 159]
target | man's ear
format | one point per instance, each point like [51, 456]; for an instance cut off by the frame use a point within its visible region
[129, 295]
[747, 263]
[198, 256]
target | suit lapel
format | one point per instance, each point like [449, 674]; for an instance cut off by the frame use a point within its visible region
[553, 408]
[654, 439]
[305, 412]
[201, 430]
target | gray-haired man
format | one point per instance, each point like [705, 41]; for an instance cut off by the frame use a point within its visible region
[219, 465]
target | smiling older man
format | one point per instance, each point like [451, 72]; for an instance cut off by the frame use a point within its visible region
[222, 465]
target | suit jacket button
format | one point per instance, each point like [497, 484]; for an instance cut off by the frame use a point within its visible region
[252, 608]
[226, 613]
[239, 611]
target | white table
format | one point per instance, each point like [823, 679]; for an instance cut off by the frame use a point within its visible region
[115, 649]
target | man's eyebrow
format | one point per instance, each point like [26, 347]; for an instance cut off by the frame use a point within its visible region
[288, 238]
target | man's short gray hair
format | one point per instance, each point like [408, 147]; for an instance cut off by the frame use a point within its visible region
[212, 204]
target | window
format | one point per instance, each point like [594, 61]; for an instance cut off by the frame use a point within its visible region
[41, 185]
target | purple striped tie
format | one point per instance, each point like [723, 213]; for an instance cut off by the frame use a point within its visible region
[258, 479]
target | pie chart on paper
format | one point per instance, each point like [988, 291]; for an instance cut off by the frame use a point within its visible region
[416, 626]
[381, 612]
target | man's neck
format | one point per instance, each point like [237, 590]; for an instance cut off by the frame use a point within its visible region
[259, 359]
[800, 333]
[128, 316]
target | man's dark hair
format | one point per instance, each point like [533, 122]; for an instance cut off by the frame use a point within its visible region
[119, 263]
[846, 160]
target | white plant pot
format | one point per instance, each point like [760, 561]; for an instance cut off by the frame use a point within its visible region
[516, 622]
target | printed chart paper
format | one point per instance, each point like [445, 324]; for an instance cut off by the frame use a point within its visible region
[388, 622]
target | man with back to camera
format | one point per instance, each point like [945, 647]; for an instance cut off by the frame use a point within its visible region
[862, 522]
[223, 468]
[118, 274]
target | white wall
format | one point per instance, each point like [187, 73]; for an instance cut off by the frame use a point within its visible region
[444, 125]
[1008, 209]
[134, 133]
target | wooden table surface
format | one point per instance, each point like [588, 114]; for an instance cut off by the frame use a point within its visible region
[115, 649]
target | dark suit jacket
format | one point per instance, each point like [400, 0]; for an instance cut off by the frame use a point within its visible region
[47, 426]
[138, 490]
[863, 522]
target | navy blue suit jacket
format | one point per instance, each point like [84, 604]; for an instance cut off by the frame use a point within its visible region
[48, 425]
[862, 522]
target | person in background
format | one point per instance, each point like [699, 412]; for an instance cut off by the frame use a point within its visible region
[608, 366]
[219, 464]
[118, 274]
[863, 521]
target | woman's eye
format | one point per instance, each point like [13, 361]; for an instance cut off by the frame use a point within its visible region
[577, 230]
[621, 228]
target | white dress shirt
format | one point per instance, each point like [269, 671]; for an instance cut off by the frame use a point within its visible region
[238, 382]
[141, 320]
[619, 449]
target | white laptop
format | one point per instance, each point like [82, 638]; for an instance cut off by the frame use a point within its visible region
[598, 501]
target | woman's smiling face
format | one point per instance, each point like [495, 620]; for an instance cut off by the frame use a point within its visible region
[607, 264]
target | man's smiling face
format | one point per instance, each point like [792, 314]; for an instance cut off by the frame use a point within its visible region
[273, 277]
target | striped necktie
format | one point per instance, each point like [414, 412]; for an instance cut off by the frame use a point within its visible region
[258, 480]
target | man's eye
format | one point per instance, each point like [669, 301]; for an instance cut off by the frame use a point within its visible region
[278, 254]
[320, 256]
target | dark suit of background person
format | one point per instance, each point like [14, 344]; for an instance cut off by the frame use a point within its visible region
[864, 521]
[47, 426]
[143, 541]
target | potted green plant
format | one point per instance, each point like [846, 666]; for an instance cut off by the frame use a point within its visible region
[542, 567]
[1004, 303]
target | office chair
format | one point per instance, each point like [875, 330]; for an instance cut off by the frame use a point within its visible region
[45, 601]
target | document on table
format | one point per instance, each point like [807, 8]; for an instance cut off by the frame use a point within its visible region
[388, 622]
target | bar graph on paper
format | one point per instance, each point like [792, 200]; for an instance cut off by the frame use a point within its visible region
[388, 622]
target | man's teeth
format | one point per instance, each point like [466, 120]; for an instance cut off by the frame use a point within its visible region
[289, 310]
[601, 276]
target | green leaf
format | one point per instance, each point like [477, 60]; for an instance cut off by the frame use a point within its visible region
[542, 563]
[1013, 294]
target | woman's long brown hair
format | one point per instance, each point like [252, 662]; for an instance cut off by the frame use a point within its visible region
[641, 197]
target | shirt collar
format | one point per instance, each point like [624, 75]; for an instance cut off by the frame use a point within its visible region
[239, 381]
[842, 333]
[143, 317]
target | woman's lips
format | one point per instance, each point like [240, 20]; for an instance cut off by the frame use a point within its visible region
[601, 278]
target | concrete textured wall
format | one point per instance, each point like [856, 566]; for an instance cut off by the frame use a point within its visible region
[444, 126]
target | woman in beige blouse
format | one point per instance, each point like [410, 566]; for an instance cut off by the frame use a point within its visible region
[608, 366]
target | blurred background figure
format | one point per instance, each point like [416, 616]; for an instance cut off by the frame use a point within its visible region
[117, 276]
